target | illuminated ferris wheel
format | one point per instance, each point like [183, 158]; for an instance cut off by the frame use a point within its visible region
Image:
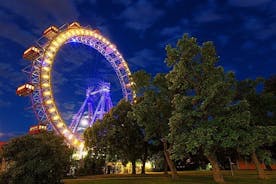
[42, 57]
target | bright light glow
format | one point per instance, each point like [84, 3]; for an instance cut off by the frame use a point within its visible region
[47, 93]
[59, 125]
[70, 136]
[148, 165]
[64, 131]
[45, 84]
[46, 68]
[45, 76]
[56, 117]
[82, 145]
[55, 43]
[68, 34]
[60, 40]
[75, 142]
[47, 60]
[48, 102]
[53, 49]
[51, 110]
[84, 122]
[49, 54]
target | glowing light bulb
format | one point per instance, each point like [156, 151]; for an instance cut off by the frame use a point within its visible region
[46, 68]
[75, 142]
[51, 110]
[49, 54]
[49, 61]
[56, 117]
[45, 84]
[70, 136]
[55, 43]
[59, 125]
[47, 93]
[84, 122]
[48, 102]
[64, 131]
[45, 76]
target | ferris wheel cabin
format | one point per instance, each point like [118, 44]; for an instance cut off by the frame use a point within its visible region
[25, 89]
[97, 31]
[36, 129]
[50, 32]
[31, 53]
[74, 25]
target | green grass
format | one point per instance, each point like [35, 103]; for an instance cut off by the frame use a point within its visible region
[188, 177]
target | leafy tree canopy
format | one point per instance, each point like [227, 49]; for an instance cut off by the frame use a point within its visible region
[117, 134]
[40, 158]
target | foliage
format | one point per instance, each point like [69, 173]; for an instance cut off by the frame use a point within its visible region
[117, 135]
[40, 158]
[205, 117]
[93, 164]
[270, 85]
[262, 124]
[153, 110]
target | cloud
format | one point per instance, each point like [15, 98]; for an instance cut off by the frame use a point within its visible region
[173, 33]
[69, 106]
[35, 16]
[208, 13]
[208, 16]
[169, 31]
[248, 3]
[259, 28]
[15, 33]
[8, 73]
[145, 58]
[141, 15]
[8, 135]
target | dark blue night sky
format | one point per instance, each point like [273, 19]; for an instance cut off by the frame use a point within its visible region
[244, 32]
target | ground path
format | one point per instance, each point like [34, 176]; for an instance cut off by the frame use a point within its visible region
[186, 177]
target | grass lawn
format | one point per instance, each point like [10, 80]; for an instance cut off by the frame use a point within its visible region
[186, 177]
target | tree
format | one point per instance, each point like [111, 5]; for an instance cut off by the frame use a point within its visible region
[205, 116]
[40, 158]
[153, 110]
[262, 123]
[270, 85]
[123, 138]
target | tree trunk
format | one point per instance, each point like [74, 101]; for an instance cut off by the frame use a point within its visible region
[260, 170]
[144, 159]
[218, 177]
[168, 160]
[165, 165]
[133, 163]
[143, 170]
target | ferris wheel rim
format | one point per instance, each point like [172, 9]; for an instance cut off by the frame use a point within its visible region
[81, 35]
